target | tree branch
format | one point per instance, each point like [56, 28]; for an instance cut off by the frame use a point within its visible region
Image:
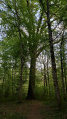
[39, 22]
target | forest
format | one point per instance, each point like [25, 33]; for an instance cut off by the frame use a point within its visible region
[33, 59]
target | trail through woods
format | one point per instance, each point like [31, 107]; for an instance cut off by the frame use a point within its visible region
[34, 110]
[28, 109]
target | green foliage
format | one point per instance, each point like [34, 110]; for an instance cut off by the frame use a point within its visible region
[18, 15]
[13, 116]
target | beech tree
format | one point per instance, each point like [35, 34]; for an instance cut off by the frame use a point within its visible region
[30, 27]
[13, 29]
[48, 7]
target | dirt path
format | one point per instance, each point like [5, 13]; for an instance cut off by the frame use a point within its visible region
[34, 110]
[29, 109]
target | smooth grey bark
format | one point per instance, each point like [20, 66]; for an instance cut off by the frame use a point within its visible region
[54, 71]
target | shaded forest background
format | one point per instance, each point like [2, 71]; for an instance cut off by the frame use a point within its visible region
[33, 50]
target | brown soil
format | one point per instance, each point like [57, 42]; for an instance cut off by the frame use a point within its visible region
[34, 110]
[29, 109]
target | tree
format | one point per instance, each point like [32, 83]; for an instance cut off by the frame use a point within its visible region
[35, 40]
[11, 20]
[54, 71]
[62, 67]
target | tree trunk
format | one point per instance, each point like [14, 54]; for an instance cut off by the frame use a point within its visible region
[48, 77]
[32, 76]
[20, 82]
[21, 70]
[54, 72]
[45, 80]
[64, 61]
[3, 83]
[65, 79]
[7, 86]
[12, 82]
[21, 54]
[62, 68]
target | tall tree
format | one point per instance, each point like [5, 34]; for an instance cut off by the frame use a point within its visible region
[62, 64]
[54, 71]
[36, 44]
[11, 20]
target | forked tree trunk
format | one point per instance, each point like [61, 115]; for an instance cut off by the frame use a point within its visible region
[31, 87]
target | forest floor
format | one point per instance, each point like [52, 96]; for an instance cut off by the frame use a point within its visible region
[30, 110]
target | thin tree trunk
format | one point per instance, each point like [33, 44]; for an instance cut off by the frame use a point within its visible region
[21, 70]
[65, 80]
[64, 62]
[5, 87]
[3, 83]
[12, 82]
[62, 72]
[7, 92]
[48, 76]
[21, 55]
[45, 80]
[20, 82]
[54, 71]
